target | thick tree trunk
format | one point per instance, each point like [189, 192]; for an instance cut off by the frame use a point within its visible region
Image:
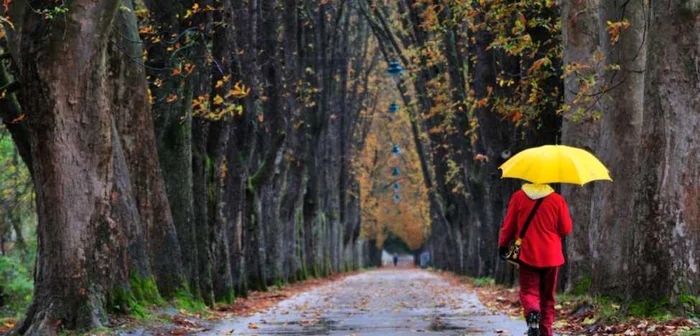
[78, 168]
[131, 113]
[172, 117]
[612, 207]
[202, 169]
[666, 218]
[580, 29]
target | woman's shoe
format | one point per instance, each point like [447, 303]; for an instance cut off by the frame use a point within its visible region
[533, 323]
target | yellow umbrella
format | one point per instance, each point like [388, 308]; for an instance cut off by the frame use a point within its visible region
[555, 164]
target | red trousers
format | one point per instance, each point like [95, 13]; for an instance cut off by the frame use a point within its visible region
[537, 289]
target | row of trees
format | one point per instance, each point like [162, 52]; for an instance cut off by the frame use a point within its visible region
[472, 74]
[486, 80]
[196, 148]
[204, 148]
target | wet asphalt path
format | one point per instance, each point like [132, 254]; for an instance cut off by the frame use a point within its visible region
[384, 302]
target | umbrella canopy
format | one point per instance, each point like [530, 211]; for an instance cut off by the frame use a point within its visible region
[555, 164]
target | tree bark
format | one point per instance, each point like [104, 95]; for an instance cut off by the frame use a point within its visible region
[666, 219]
[131, 111]
[612, 208]
[78, 168]
[580, 29]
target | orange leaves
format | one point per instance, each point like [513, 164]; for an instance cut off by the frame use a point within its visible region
[18, 119]
[517, 116]
[239, 91]
[171, 98]
[184, 71]
[538, 64]
[615, 28]
[481, 158]
[218, 100]
[409, 218]
[430, 17]
[146, 30]
[220, 83]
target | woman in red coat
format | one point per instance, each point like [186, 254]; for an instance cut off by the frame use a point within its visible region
[541, 252]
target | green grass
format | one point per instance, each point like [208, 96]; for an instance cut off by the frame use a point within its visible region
[695, 332]
[583, 286]
[145, 290]
[614, 310]
[122, 301]
[184, 300]
[483, 282]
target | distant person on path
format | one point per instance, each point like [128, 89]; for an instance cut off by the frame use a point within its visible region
[396, 260]
[541, 251]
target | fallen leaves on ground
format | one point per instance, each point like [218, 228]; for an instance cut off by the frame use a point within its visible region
[186, 324]
[573, 317]
[257, 301]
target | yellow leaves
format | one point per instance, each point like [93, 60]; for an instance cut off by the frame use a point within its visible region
[220, 83]
[239, 91]
[615, 28]
[252, 325]
[194, 10]
[223, 109]
[372, 166]
[141, 12]
[7, 324]
[146, 30]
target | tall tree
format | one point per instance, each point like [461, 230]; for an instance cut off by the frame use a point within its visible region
[78, 163]
[664, 232]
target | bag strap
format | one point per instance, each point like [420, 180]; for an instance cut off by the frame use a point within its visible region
[529, 218]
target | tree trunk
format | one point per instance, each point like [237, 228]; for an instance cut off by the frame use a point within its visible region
[612, 207]
[666, 219]
[580, 29]
[131, 114]
[78, 168]
[172, 118]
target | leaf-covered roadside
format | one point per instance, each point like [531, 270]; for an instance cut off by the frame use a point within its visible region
[178, 319]
[579, 315]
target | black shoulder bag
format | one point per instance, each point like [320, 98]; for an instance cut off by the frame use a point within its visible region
[513, 255]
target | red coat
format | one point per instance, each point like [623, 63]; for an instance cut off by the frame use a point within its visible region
[542, 243]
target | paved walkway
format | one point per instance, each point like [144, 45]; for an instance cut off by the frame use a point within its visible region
[384, 302]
